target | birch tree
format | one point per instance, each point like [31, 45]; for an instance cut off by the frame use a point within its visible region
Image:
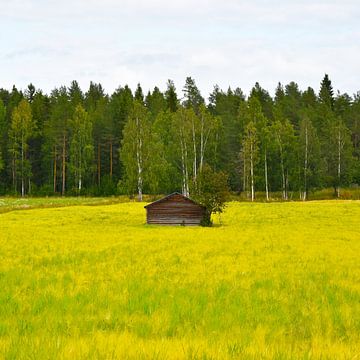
[182, 129]
[209, 125]
[284, 137]
[261, 123]
[21, 129]
[251, 154]
[254, 143]
[309, 156]
[135, 150]
[339, 157]
[81, 146]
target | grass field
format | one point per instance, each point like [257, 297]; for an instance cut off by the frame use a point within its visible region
[14, 203]
[275, 281]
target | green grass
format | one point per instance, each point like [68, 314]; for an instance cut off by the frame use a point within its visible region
[275, 281]
[17, 203]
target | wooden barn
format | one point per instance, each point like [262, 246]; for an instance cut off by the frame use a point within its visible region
[174, 209]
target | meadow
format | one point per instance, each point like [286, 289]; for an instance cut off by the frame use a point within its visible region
[268, 281]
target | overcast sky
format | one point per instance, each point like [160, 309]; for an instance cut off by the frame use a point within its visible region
[236, 43]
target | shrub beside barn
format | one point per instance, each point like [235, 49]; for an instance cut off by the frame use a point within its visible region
[175, 209]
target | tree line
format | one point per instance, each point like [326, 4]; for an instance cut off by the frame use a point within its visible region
[70, 142]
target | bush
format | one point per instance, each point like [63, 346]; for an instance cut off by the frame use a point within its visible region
[211, 191]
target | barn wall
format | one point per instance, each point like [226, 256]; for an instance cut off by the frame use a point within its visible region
[176, 210]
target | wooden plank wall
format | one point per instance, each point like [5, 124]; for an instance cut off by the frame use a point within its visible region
[175, 210]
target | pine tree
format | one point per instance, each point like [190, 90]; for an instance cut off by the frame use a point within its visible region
[155, 102]
[192, 96]
[96, 106]
[118, 110]
[76, 95]
[265, 100]
[171, 99]
[139, 95]
[326, 94]
[57, 136]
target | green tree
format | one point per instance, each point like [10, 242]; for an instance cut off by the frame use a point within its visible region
[250, 156]
[81, 145]
[326, 94]
[284, 139]
[309, 156]
[182, 132]
[2, 131]
[155, 102]
[21, 130]
[227, 106]
[96, 104]
[40, 109]
[192, 95]
[118, 110]
[212, 192]
[135, 148]
[264, 98]
[339, 155]
[76, 96]
[57, 136]
[171, 99]
[139, 95]
[208, 128]
[354, 126]
[162, 128]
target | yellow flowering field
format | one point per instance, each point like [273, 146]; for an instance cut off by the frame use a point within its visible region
[268, 281]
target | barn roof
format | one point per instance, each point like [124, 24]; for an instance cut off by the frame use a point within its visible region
[169, 196]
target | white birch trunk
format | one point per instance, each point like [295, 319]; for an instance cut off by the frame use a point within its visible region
[80, 164]
[266, 176]
[22, 166]
[339, 164]
[194, 149]
[252, 171]
[187, 192]
[283, 175]
[244, 170]
[306, 163]
[202, 143]
[139, 161]
[183, 165]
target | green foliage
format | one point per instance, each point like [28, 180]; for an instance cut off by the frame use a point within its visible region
[193, 98]
[81, 146]
[2, 131]
[211, 191]
[326, 94]
[21, 130]
[311, 164]
[181, 137]
[171, 98]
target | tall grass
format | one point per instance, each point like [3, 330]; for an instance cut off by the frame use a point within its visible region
[275, 281]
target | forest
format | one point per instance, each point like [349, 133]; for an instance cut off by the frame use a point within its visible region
[71, 142]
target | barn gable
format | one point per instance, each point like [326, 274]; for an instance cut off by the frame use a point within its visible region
[174, 209]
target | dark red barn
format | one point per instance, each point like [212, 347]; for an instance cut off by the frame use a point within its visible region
[174, 209]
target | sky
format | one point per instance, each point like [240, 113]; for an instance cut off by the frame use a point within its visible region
[228, 43]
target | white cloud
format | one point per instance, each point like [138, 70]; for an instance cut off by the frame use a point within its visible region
[235, 42]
